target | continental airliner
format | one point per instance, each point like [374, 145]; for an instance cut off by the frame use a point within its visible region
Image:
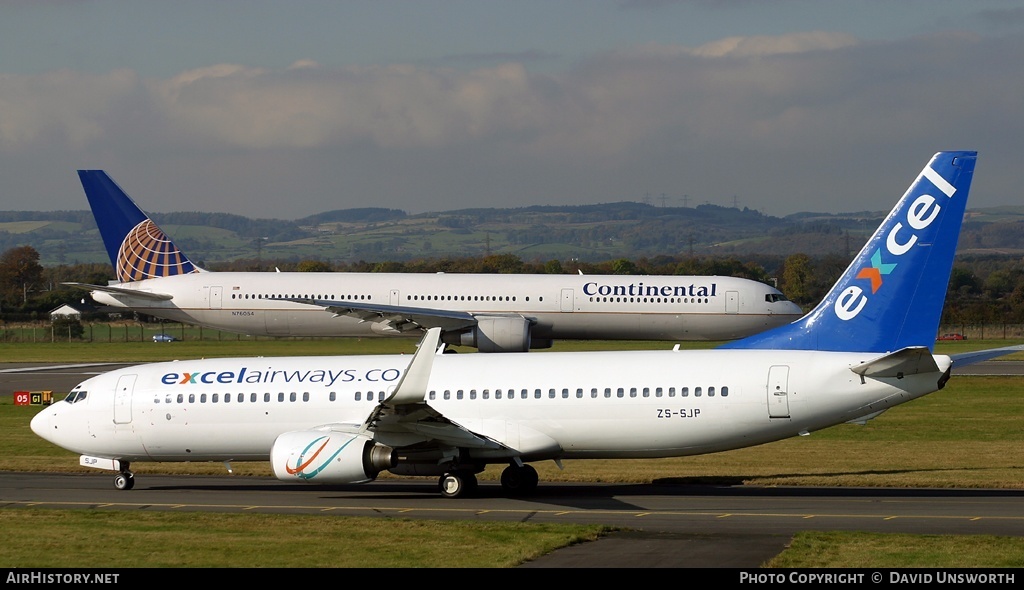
[868, 346]
[490, 312]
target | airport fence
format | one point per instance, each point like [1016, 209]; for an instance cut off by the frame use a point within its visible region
[984, 331]
[44, 331]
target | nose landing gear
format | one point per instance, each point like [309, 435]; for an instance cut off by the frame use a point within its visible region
[125, 479]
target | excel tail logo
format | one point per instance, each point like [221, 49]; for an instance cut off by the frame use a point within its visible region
[901, 232]
[875, 272]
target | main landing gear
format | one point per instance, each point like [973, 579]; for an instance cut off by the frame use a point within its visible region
[457, 484]
[125, 479]
[519, 480]
[516, 481]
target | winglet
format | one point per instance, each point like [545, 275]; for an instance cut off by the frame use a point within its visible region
[412, 387]
[137, 248]
[891, 295]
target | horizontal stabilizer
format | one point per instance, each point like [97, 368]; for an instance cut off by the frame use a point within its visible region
[969, 358]
[121, 291]
[908, 361]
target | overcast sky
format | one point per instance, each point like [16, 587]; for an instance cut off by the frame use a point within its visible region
[284, 109]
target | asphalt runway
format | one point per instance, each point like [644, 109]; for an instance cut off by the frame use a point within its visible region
[670, 525]
[667, 525]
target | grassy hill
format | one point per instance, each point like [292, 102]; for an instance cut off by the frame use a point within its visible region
[591, 233]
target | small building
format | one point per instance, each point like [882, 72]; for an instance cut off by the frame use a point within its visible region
[66, 312]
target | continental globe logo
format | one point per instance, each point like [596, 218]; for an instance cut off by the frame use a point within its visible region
[147, 253]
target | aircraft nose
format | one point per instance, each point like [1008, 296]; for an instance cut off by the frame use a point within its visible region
[41, 423]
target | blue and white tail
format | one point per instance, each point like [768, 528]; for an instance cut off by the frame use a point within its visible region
[138, 249]
[891, 296]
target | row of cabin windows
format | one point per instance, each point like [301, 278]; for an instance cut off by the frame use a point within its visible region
[286, 296]
[447, 394]
[227, 398]
[465, 298]
[595, 299]
[370, 297]
[579, 393]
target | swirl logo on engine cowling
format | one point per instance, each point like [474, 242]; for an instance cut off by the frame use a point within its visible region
[301, 465]
[147, 253]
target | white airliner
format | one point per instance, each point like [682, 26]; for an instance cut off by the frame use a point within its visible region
[491, 312]
[339, 420]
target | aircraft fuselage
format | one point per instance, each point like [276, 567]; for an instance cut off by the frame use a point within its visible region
[560, 306]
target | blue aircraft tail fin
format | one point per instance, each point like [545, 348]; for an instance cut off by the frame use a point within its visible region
[138, 249]
[891, 296]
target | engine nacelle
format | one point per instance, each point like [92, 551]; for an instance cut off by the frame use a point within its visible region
[330, 457]
[496, 334]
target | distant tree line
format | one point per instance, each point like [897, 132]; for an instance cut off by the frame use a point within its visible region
[982, 289]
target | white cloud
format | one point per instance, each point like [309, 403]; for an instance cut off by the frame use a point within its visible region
[720, 118]
[64, 107]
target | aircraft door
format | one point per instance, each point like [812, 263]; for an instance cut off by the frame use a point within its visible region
[568, 300]
[778, 392]
[215, 297]
[395, 298]
[123, 399]
[732, 302]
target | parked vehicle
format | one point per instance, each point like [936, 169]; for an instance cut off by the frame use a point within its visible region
[164, 338]
[953, 336]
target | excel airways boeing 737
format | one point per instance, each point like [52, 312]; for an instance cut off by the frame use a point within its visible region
[339, 420]
[491, 312]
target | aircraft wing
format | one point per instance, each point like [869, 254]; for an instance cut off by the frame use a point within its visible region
[969, 358]
[405, 419]
[405, 412]
[122, 291]
[400, 318]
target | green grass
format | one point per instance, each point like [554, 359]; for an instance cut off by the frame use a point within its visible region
[175, 539]
[872, 550]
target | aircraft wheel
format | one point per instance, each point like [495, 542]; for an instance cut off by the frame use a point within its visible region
[517, 481]
[457, 484]
[124, 481]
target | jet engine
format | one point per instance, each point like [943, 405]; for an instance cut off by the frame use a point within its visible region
[328, 456]
[495, 334]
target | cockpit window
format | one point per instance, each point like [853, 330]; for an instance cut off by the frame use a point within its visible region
[775, 297]
[75, 396]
